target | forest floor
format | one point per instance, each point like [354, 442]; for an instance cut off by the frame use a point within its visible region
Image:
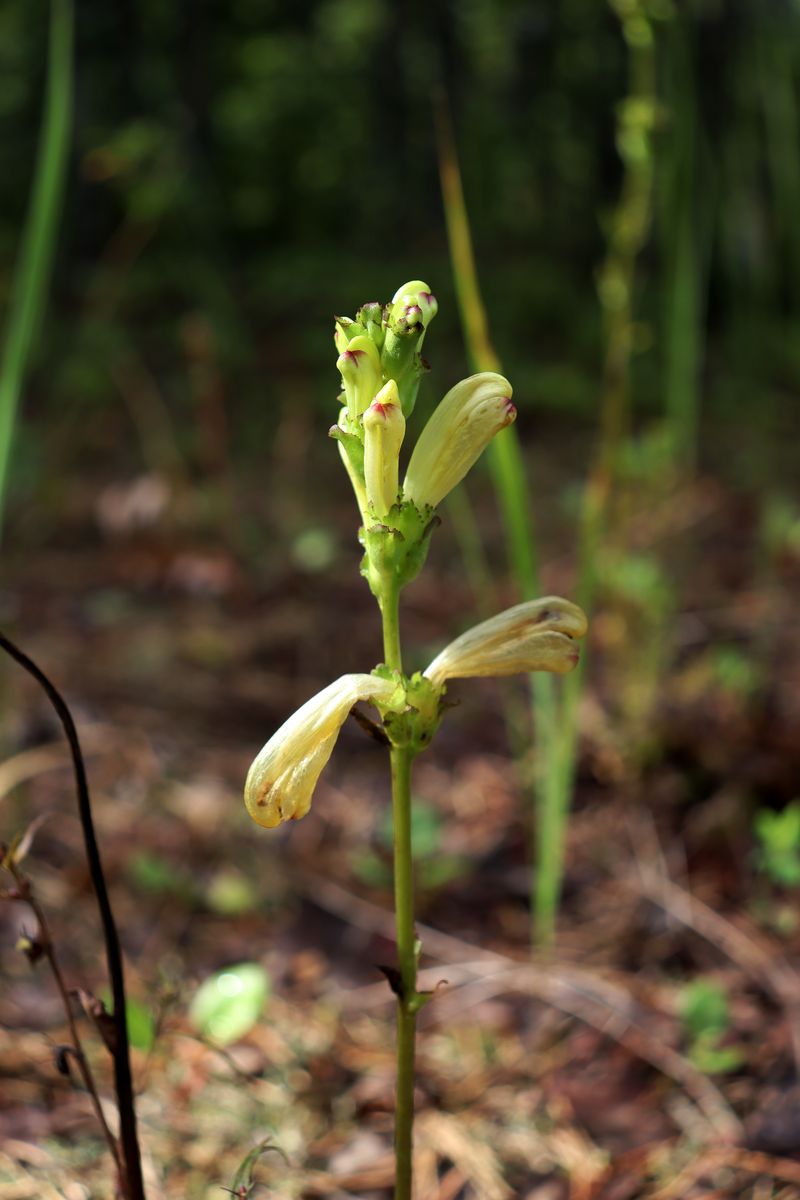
[654, 1054]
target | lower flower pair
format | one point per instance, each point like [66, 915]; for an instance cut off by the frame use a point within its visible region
[539, 635]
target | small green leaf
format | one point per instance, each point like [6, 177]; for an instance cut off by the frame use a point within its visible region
[371, 869]
[442, 869]
[244, 1178]
[712, 1059]
[141, 1026]
[704, 1009]
[227, 1005]
[779, 835]
[230, 893]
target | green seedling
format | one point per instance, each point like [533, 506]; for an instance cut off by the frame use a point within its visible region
[706, 1020]
[228, 1004]
[778, 834]
[380, 366]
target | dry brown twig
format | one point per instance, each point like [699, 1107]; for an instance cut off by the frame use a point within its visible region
[45, 946]
[584, 994]
[750, 950]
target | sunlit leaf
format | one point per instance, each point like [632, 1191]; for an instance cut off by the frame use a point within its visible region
[230, 1003]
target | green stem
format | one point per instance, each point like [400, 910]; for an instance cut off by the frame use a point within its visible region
[401, 758]
[407, 959]
[390, 612]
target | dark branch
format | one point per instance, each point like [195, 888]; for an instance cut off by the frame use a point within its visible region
[122, 1064]
[371, 727]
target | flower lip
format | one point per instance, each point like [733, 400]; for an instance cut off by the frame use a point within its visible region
[283, 775]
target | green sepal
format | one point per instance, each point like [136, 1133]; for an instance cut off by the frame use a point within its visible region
[424, 713]
[401, 362]
[370, 317]
[353, 447]
[413, 713]
[397, 702]
[396, 548]
[345, 329]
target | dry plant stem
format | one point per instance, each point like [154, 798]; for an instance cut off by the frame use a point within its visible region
[401, 758]
[133, 1182]
[48, 949]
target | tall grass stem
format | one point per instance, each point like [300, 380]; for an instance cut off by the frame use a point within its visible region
[35, 260]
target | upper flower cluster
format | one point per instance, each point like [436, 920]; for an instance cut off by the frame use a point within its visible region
[380, 364]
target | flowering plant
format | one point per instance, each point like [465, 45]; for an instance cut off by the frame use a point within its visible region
[381, 367]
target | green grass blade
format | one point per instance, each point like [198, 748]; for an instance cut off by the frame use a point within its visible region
[39, 235]
[510, 484]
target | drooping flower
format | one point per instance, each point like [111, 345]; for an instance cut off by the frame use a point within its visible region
[384, 428]
[539, 635]
[457, 433]
[282, 778]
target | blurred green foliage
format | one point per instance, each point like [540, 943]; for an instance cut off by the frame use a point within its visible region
[242, 168]
[228, 1004]
[778, 834]
[706, 1019]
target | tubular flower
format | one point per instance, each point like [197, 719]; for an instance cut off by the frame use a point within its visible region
[384, 428]
[282, 778]
[539, 635]
[360, 368]
[458, 432]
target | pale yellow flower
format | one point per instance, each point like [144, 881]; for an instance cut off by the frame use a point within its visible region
[360, 368]
[384, 428]
[539, 635]
[282, 778]
[457, 433]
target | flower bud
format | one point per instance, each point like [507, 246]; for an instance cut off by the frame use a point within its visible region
[457, 433]
[415, 303]
[539, 635]
[360, 368]
[344, 330]
[411, 311]
[371, 317]
[384, 428]
[282, 778]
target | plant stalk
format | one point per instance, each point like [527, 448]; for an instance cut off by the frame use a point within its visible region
[406, 986]
[133, 1183]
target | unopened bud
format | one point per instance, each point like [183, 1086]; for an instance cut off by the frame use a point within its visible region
[371, 317]
[458, 432]
[384, 429]
[414, 302]
[344, 330]
[360, 368]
